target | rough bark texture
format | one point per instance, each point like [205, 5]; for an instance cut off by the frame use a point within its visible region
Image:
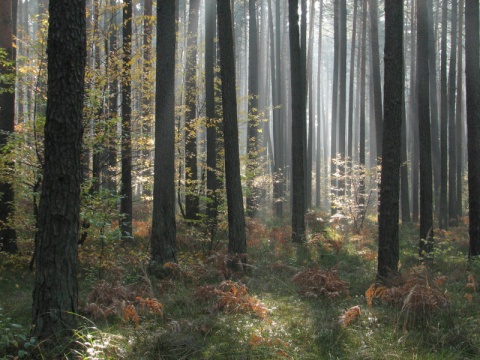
[459, 115]
[376, 78]
[55, 293]
[237, 244]
[252, 133]
[426, 194]
[443, 213]
[298, 126]
[126, 148]
[388, 243]
[472, 78]
[452, 157]
[191, 170]
[163, 242]
[210, 24]
[7, 121]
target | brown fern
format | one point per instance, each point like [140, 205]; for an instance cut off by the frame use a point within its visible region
[316, 282]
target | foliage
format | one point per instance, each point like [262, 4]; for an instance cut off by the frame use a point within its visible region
[231, 297]
[316, 283]
[14, 340]
[353, 196]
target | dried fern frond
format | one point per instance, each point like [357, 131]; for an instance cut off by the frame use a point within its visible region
[348, 316]
[316, 282]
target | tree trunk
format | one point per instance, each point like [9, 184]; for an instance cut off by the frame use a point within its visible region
[342, 94]
[459, 113]
[443, 213]
[298, 126]
[191, 170]
[8, 239]
[452, 157]
[388, 243]
[210, 24]
[426, 196]
[126, 148]
[55, 287]
[335, 99]
[252, 131]
[237, 244]
[376, 78]
[163, 243]
[319, 112]
[472, 79]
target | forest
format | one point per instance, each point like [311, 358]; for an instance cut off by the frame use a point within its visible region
[243, 179]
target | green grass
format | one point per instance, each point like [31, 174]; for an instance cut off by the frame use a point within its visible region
[296, 327]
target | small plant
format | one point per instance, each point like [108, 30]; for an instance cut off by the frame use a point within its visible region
[316, 282]
[14, 343]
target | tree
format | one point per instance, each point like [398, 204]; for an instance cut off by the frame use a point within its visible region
[298, 126]
[163, 238]
[423, 110]
[443, 213]
[237, 243]
[55, 292]
[388, 243]
[126, 148]
[452, 157]
[191, 171]
[210, 24]
[252, 132]
[7, 122]
[472, 79]
[377, 87]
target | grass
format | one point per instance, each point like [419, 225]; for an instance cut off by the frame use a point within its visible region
[208, 312]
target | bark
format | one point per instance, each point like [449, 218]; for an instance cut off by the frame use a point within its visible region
[377, 87]
[237, 245]
[191, 168]
[432, 68]
[351, 84]
[459, 113]
[126, 148]
[210, 24]
[443, 213]
[8, 239]
[55, 293]
[363, 62]
[423, 108]
[298, 126]
[388, 242]
[342, 93]
[452, 157]
[252, 131]
[318, 160]
[163, 242]
[311, 115]
[335, 96]
[472, 80]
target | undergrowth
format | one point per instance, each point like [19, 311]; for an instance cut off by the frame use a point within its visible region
[317, 301]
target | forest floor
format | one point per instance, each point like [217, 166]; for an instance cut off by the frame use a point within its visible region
[318, 301]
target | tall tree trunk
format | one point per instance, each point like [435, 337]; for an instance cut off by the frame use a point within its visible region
[335, 99]
[126, 148]
[163, 242]
[426, 195]
[363, 65]
[191, 168]
[376, 78]
[8, 239]
[351, 84]
[432, 68]
[55, 292]
[414, 117]
[311, 115]
[298, 126]
[342, 94]
[320, 141]
[472, 80]
[252, 131]
[459, 113]
[237, 244]
[452, 157]
[443, 213]
[388, 243]
[210, 25]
